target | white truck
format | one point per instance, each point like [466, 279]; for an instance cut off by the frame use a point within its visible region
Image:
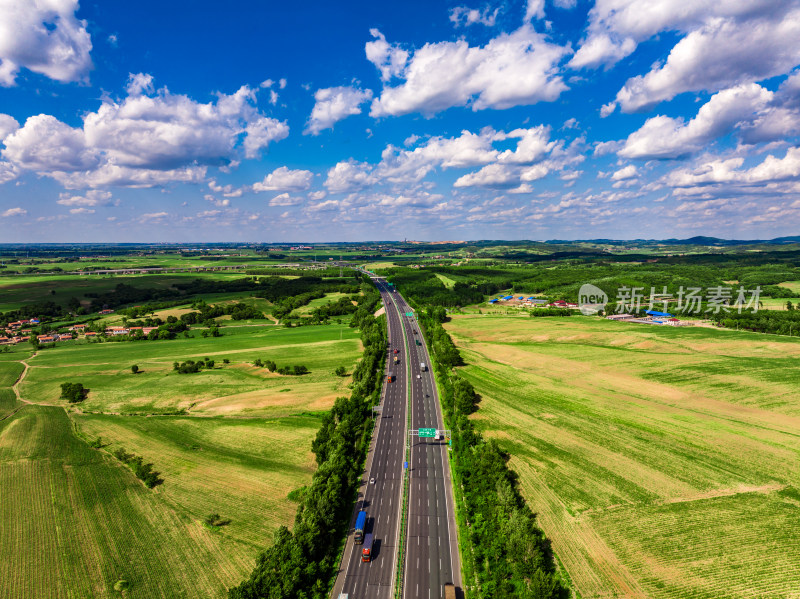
[422, 366]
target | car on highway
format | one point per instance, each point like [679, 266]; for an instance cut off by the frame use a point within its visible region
[372, 480]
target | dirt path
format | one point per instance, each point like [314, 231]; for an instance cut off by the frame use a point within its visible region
[15, 388]
[21, 378]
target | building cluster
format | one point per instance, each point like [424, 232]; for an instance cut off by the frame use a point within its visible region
[531, 302]
[651, 317]
[14, 333]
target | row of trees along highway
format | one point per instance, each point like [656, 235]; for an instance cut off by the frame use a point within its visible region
[301, 563]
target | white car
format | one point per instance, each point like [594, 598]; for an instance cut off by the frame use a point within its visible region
[372, 480]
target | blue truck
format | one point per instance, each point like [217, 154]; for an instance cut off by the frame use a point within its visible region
[361, 521]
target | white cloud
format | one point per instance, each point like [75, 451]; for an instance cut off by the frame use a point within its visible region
[607, 109]
[770, 170]
[389, 59]
[43, 36]
[334, 104]
[349, 176]
[666, 137]
[46, 144]
[94, 197]
[467, 150]
[491, 175]
[229, 191]
[139, 83]
[616, 27]
[282, 83]
[534, 10]
[285, 199]
[285, 179]
[513, 69]
[148, 216]
[463, 16]
[14, 212]
[627, 172]
[82, 211]
[722, 53]
[8, 125]
[317, 195]
[565, 4]
[144, 140]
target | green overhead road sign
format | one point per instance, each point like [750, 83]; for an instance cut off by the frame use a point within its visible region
[427, 432]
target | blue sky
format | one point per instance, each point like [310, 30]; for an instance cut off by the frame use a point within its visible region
[535, 119]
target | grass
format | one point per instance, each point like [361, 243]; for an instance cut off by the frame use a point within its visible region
[662, 462]
[74, 523]
[237, 388]
[317, 303]
[242, 469]
[77, 523]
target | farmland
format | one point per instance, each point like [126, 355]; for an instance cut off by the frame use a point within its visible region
[662, 462]
[235, 388]
[77, 521]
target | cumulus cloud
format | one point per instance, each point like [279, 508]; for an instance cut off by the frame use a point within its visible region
[333, 104]
[45, 37]
[770, 170]
[349, 176]
[616, 27]
[390, 59]
[284, 199]
[534, 10]
[229, 191]
[666, 137]
[82, 211]
[626, 172]
[8, 124]
[285, 179]
[722, 53]
[463, 16]
[14, 212]
[467, 150]
[46, 144]
[94, 197]
[513, 69]
[144, 139]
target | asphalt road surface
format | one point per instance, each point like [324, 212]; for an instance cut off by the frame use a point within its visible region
[431, 558]
[382, 499]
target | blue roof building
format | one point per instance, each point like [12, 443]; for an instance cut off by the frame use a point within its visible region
[655, 313]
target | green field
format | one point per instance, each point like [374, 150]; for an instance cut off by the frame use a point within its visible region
[75, 521]
[237, 388]
[663, 462]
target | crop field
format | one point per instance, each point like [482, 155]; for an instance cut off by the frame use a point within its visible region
[240, 468]
[663, 462]
[237, 388]
[75, 523]
[317, 303]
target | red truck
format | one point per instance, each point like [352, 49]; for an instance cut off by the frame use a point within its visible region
[366, 550]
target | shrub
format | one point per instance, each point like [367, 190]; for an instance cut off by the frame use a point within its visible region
[134, 369]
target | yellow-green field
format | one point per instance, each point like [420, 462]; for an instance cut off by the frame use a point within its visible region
[74, 521]
[238, 388]
[663, 462]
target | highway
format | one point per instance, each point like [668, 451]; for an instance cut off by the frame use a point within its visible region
[381, 499]
[431, 557]
[432, 550]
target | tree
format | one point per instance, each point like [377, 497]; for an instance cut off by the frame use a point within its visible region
[789, 306]
[135, 369]
[73, 392]
[340, 371]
